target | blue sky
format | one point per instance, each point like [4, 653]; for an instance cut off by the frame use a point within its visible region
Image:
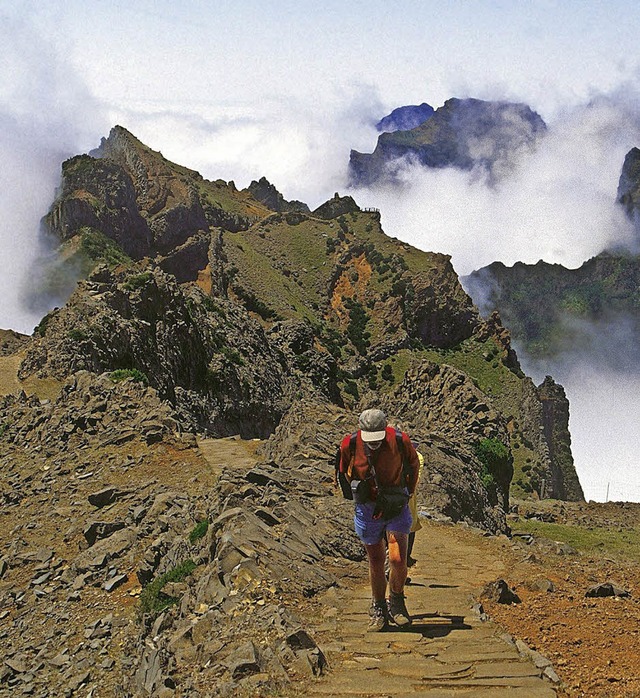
[548, 53]
[243, 89]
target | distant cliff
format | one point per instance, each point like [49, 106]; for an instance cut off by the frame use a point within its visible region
[463, 133]
[551, 310]
[405, 118]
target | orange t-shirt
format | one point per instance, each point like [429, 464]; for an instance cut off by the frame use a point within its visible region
[387, 461]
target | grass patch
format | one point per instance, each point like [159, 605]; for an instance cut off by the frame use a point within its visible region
[124, 373]
[97, 246]
[152, 600]
[592, 541]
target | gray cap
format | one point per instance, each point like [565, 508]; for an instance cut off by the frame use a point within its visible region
[372, 425]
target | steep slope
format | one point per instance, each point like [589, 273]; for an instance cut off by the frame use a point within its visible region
[463, 133]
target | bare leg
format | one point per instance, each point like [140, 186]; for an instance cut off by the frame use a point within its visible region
[376, 554]
[397, 561]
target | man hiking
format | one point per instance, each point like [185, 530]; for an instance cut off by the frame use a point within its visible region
[382, 466]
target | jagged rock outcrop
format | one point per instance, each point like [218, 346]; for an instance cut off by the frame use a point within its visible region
[208, 358]
[463, 133]
[555, 419]
[90, 410]
[99, 195]
[146, 204]
[266, 193]
[337, 206]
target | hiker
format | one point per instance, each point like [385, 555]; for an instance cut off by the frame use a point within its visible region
[381, 466]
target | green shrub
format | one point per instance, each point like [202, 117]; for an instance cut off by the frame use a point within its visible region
[198, 531]
[77, 335]
[41, 328]
[124, 373]
[358, 319]
[152, 600]
[137, 280]
[232, 355]
[494, 454]
[351, 388]
[497, 463]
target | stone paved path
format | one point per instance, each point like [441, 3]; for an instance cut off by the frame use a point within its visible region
[448, 651]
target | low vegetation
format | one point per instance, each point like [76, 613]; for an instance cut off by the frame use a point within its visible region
[133, 373]
[152, 599]
[614, 542]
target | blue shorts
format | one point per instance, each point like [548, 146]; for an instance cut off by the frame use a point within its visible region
[370, 530]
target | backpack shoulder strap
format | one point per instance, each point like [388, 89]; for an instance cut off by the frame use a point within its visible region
[400, 443]
[352, 450]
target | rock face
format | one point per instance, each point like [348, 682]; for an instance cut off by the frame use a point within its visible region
[463, 133]
[210, 359]
[555, 416]
[265, 192]
[629, 186]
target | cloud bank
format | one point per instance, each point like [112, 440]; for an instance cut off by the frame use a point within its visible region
[46, 116]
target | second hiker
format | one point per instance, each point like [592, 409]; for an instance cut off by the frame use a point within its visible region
[381, 465]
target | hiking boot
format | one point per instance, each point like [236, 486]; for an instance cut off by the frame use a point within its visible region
[378, 617]
[398, 609]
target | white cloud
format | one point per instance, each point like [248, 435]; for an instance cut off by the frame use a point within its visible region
[302, 149]
[46, 116]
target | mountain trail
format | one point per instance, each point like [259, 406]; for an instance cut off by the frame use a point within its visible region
[448, 650]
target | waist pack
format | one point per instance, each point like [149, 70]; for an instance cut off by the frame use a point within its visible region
[390, 502]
